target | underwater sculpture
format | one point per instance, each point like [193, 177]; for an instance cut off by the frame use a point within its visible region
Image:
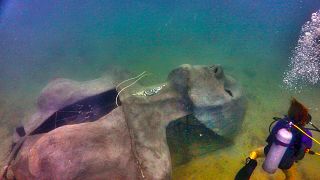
[98, 139]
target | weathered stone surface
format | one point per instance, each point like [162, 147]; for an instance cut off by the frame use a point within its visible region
[130, 141]
[200, 90]
[94, 150]
[215, 98]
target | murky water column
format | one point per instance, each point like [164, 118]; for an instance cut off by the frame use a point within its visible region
[304, 68]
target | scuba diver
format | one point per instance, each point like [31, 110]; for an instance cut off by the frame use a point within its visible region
[287, 143]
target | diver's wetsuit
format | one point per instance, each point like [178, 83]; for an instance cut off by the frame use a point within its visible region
[297, 146]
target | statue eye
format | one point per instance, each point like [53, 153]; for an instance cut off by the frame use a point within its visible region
[214, 68]
[229, 92]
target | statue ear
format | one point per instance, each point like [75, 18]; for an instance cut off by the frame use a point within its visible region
[179, 79]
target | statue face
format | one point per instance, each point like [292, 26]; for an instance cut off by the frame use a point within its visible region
[216, 99]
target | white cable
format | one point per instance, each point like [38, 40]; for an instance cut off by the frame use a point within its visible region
[128, 86]
[130, 79]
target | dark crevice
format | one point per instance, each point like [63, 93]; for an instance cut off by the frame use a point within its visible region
[188, 138]
[229, 92]
[215, 70]
[86, 110]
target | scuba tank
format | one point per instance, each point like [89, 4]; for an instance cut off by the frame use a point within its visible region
[277, 150]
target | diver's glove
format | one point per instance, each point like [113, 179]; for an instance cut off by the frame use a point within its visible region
[247, 170]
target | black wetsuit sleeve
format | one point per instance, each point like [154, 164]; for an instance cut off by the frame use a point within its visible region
[301, 152]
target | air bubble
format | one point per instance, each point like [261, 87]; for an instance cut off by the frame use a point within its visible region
[304, 67]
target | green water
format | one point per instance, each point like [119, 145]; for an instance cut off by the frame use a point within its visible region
[81, 40]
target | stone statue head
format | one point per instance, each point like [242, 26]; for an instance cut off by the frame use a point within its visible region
[215, 99]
